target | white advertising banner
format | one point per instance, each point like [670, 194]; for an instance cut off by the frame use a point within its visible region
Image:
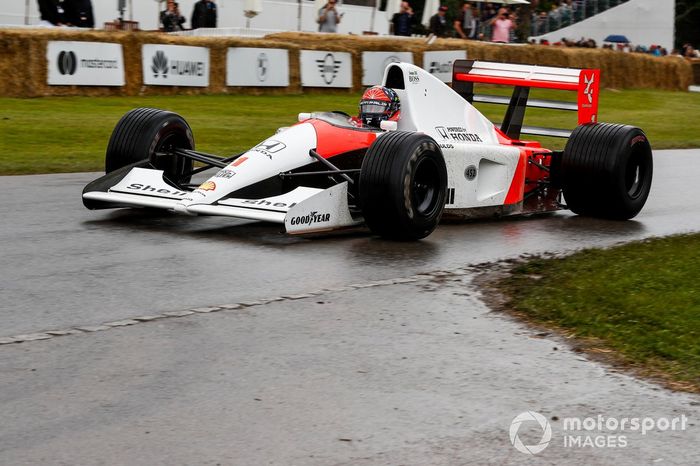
[439, 63]
[248, 66]
[374, 64]
[175, 65]
[320, 68]
[84, 64]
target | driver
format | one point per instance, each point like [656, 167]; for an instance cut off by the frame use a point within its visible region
[378, 104]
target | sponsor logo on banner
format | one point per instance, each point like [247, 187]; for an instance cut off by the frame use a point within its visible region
[175, 65]
[254, 66]
[263, 64]
[439, 63]
[67, 62]
[326, 69]
[374, 64]
[84, 64]
[160, 65]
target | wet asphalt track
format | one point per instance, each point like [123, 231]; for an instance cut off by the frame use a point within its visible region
[416, 373]
[64, 265]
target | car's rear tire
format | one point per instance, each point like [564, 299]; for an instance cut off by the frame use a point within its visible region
[142, 134]
[606, 171]
[403, 181]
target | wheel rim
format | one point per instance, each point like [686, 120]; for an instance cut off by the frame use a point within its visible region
[425, 186]
[636, 173]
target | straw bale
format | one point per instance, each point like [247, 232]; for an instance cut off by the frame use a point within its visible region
[23, 68]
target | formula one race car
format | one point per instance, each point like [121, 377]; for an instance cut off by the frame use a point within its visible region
[418, 148]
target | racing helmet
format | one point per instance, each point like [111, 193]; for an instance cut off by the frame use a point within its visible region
[379, 103]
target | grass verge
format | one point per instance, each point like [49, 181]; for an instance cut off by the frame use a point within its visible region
[70, 134]
[637, 305]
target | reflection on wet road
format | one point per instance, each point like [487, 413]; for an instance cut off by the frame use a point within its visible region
[64, 265]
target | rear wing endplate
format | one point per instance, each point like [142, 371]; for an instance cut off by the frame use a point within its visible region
[465, 73]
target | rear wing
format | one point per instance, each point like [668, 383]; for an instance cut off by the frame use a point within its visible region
[465, 73]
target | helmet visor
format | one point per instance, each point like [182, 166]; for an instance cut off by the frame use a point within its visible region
[373, 107]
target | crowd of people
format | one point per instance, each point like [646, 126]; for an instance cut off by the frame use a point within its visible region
[483, 21]
[71, 13]
[687, 51]
[204, 15]
[474, 20]
[79, 13]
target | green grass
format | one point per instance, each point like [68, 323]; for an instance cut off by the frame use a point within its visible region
[66, 134]
[70, 134]
[669, 118]
[641, 300]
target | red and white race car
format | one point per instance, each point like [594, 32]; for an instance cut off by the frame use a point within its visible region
[429, 151]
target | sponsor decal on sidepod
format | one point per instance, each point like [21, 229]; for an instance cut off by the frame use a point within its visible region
[207, 186]
[224, 173]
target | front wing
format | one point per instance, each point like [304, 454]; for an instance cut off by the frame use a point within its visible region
[303, 210]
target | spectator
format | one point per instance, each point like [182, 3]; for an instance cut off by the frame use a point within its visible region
[52, 12]
[465, 24]
[438, 22]
[502, 25]
[79, 13]
[402, 21]
[689, 52]
[171, 19]
[204, 14]
[328, 17]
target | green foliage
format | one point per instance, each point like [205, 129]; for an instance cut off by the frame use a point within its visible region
[70, 134]
[641, 299]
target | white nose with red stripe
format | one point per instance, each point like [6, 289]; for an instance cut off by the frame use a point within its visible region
[286, 150]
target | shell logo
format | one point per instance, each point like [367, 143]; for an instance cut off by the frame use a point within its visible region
[208, 186]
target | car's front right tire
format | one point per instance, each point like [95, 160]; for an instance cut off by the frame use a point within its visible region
[403, 182]
[151, 134]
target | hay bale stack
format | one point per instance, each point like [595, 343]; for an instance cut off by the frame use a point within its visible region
[23, 62]
[24, 70]
[619, 70]
[696, 71]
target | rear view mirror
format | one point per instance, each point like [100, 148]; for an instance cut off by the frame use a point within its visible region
[388, 125]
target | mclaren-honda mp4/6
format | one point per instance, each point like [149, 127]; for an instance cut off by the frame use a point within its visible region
[418, 149]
